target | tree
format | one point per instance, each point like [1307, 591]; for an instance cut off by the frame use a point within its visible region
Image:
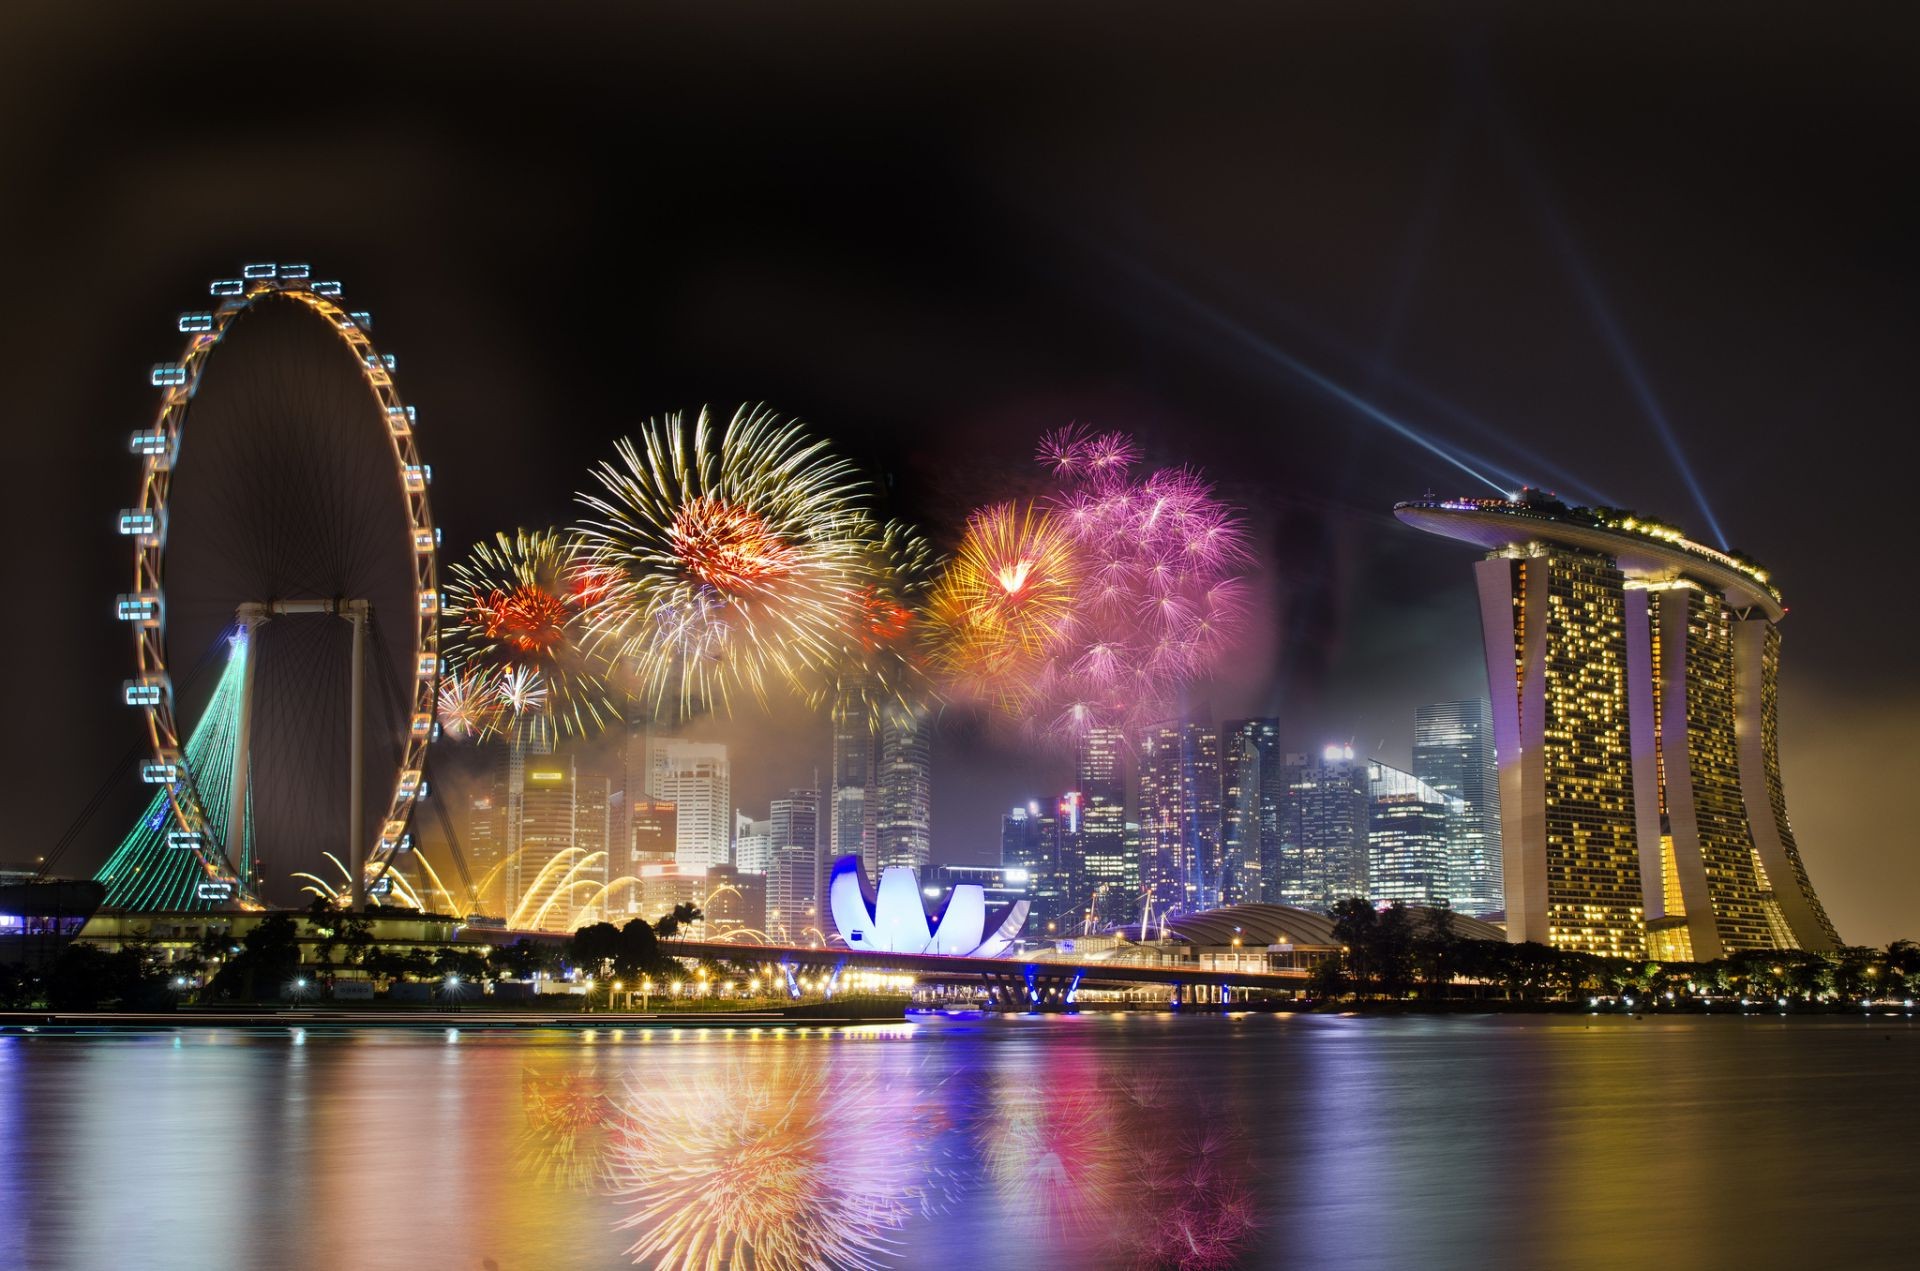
[323, 920]
[84, 977]
[520, 960]
[1392, 952]
[683, 913]
[269, 955]
[1354, 919]
[593, 949]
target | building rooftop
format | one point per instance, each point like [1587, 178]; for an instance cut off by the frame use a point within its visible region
[1646, 550]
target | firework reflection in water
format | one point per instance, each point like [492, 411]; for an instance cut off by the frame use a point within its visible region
[569, 1122]
[772, 1164]
[1102, 1164]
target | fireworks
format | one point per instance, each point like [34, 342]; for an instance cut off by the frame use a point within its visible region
[769, 1165]
[567, 1120]
[469, 706]
[514, 627]
[881, 664]
[717, 558]
[1094, 609]
[1004, 605]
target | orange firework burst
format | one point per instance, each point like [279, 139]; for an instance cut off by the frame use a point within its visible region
[721, 557]
[529, 618]
[1005, 603]
[731, 548]
[514, 624]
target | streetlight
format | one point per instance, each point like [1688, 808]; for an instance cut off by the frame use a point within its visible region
[617, 986]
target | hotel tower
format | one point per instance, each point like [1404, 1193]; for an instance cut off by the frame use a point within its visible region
[1633, 675]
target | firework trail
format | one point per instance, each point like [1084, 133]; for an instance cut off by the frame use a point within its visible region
[726, 557]
[514, 628]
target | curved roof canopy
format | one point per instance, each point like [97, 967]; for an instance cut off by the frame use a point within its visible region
[1646, 551]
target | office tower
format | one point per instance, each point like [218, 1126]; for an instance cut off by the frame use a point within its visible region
[545, 833]
[1634, 677]
[695, 777]
[1180, 816]
[654, 825]
[1103, 875]
[792, 917]
[1322, 856]
[483, 832]
[903, 814]
[1029, 842]
[1409, 838]
[752, 844]
[526, 741]
[592, 824]
[663, 887]
[796, 823]
[1453, 753]
[735, 900]
[851, 794]
[1250, 792]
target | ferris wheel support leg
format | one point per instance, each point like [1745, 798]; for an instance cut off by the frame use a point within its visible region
[249, 617]
[356, 776]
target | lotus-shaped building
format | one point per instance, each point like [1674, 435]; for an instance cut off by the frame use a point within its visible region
[893, 919]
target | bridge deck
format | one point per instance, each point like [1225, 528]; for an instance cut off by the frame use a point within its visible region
[934, 965]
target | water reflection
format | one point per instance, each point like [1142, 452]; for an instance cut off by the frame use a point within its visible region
[1141, 1142]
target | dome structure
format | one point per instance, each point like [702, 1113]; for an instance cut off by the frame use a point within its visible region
[892, 918]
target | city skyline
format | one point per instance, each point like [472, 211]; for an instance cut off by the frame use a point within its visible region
[1642, 355]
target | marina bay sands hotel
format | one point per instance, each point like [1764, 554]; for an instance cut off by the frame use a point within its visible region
[1633, 675]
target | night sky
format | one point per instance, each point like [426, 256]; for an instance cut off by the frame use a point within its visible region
[1594, 249]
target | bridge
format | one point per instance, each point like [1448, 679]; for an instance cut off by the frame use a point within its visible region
[1046, 983]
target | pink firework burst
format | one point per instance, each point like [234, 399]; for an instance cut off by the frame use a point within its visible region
[1160, 597]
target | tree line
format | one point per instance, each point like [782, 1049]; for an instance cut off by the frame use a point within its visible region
[266, 963]
[1389, 954]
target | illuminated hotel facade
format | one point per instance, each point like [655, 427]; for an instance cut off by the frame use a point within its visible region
[1634, 679]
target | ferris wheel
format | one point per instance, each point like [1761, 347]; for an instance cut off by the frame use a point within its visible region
[195, 850]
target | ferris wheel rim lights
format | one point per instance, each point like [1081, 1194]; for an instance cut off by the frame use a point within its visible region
[144, 608]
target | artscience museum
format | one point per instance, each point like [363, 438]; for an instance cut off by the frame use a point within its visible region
[893, 919]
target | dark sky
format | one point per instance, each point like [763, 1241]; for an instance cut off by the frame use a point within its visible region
[1532, 233]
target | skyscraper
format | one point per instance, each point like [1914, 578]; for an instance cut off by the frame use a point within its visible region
[1180, 815]
[1453, 753]
[1634, 678]
[903, 816]
[752, 844]
[1102, 872]
[852, 795]
[796, 824]
[695, 777]
[1250, 793]
[526, 741]
[1322, 853]
[592, 823]
[544, 830]
[1030, 841]
[654, 827]
[1409, 838]
[791, 912]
